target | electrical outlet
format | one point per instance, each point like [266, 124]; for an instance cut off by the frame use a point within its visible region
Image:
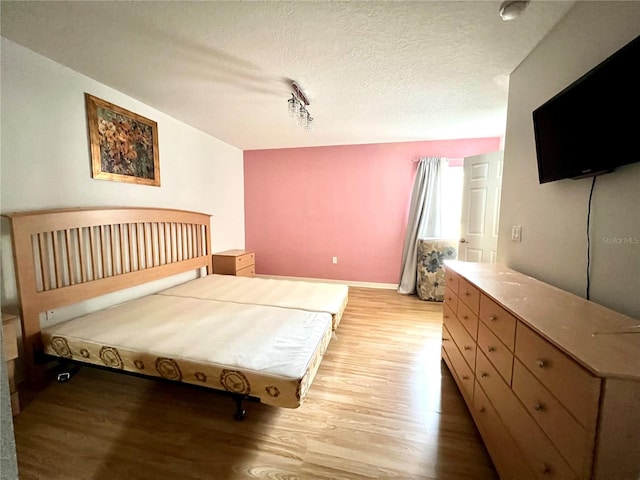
[334, 260]
[50, 315]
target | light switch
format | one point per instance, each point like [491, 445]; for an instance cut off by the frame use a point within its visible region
[516, 233]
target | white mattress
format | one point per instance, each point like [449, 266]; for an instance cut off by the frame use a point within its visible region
[268, 340]
[310, 296]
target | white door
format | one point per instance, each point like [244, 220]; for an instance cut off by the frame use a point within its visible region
[480, 207]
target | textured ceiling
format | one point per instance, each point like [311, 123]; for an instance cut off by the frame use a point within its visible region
[374, 71]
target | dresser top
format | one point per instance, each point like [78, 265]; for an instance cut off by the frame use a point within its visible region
[595, 336]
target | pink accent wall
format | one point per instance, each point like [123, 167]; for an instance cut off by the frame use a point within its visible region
[304, 206]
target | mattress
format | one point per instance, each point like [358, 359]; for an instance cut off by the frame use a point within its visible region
[297, 294]
[265, 352]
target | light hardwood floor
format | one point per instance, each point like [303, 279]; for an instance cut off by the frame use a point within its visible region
[383, 405]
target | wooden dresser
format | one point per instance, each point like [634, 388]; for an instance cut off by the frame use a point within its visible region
[10, 350]
[551, 380]
[241, 263]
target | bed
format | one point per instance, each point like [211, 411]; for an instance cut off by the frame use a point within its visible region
[302, 295]
[63, 257]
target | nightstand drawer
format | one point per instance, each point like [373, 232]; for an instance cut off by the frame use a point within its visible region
[10, 351]
[245, 260]
[10, 338]
[249, 271]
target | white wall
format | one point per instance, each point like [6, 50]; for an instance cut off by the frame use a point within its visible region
[554, 215]
[45, 159]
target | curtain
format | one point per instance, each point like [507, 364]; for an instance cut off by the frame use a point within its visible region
[424, 218]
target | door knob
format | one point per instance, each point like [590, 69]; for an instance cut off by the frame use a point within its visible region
[462, 240]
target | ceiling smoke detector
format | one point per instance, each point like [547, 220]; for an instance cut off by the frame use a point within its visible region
[511, 9]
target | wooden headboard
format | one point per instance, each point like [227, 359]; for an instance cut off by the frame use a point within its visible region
[63, 257]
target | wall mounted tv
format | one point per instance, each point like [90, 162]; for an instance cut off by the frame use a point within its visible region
[593, 125]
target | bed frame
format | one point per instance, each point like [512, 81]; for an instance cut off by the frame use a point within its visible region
[62, 257]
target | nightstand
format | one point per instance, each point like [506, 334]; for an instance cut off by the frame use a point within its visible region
[10, 349]
[241, 263]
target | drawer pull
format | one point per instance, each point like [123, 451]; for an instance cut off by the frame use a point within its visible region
[539, 407]
[491, 349]
[464, 317]
[541, 363]
[482, 409]
[467, 293]
[493, 318]
[467, 348]
[445, 339]
[465, 377]
[484, 374]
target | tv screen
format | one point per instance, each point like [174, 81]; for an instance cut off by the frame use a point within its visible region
[593, 125]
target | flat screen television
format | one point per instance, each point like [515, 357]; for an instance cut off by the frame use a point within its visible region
[593, 125]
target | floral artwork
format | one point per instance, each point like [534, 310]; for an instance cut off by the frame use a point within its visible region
[124, 145]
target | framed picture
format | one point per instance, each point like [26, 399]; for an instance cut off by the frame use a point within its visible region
[124, 145]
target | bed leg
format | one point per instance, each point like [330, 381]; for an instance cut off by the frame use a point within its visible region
[240, 412]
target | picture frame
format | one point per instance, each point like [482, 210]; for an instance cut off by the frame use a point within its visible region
[123, 144]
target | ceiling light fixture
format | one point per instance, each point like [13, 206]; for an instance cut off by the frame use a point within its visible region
[297, 106]
[511, 9]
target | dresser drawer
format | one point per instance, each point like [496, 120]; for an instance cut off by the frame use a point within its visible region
[572, 385]
[468, 319]
[469, 294]
[465, 343]
[509, 460]
[496, 352]
[542, 456]
[574, 442]
[451, 280]
[447, 315]
[461, 371]
[501, 322]
[451, 299]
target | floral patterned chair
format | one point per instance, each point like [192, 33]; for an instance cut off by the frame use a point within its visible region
[432, 252]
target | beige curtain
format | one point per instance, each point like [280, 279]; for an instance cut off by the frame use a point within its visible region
[424, 218]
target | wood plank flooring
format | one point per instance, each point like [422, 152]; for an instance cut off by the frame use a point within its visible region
[383, 405]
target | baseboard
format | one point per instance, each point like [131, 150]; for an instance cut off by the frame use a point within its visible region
[387, 286]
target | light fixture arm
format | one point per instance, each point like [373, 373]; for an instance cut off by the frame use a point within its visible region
[297, 106]
[299, 93]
